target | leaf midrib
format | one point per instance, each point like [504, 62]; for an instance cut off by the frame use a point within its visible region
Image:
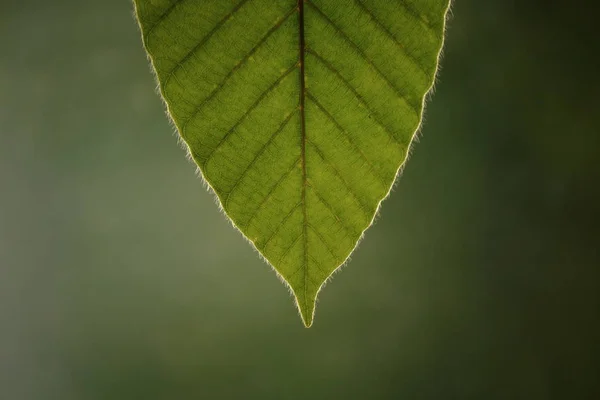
[302, 47]
[315, 265]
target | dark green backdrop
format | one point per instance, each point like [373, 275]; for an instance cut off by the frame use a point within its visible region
[119, 279]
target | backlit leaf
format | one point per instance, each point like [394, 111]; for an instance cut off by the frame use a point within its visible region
[299, 114]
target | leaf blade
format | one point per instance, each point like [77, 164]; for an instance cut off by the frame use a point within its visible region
[299, 114]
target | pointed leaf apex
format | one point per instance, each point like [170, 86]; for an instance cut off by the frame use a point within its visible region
[306, 308]
[301, 126]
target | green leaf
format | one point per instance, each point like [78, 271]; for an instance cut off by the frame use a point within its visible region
[299, 114]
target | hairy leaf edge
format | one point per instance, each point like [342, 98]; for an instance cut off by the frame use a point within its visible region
[188, 152]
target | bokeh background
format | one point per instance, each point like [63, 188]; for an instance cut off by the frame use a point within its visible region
[120, 279]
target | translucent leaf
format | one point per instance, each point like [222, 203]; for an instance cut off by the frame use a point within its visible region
[299, 114]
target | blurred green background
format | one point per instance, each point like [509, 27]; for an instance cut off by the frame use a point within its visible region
[120, 279]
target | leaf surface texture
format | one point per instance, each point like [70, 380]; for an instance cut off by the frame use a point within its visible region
[299, 114]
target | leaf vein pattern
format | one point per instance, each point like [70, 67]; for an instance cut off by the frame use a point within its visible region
[163, 16]
[290, 247]
[318, 265]
[270, 193]
[347, 39]
[301, 61]
[331, 210]
[257, 156]
[248, 111]
[416, 15]
[308, 277]
[364, 208]
[348, 136]
[276, 230]
[206, 38]
[236, 67]
[389, 33]
[322, 239]
[358, 96]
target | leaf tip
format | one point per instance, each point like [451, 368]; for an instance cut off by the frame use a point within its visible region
[307, 315]
[306, 308]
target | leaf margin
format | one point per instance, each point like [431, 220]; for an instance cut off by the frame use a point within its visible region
[309, 318]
